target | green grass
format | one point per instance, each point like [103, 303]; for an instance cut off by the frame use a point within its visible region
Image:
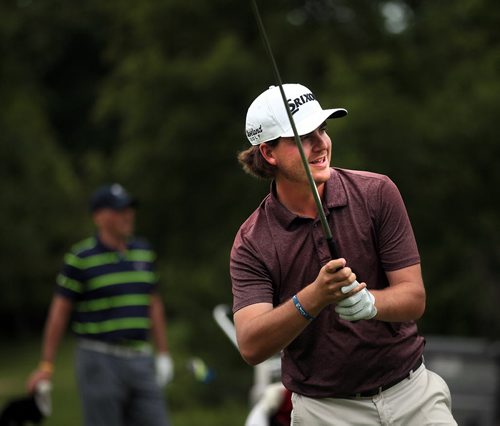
[18, 359]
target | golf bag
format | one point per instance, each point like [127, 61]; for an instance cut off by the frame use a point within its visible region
[270, 401]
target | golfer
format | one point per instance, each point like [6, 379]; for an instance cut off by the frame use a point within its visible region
[351, 353]
[109, 284]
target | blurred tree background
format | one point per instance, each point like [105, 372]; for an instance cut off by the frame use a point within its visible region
[153, 94]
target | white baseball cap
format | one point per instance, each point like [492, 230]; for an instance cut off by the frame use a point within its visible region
[267, 118]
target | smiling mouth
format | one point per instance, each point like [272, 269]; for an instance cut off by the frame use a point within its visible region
[318, 161]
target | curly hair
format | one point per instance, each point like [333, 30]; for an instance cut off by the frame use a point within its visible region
[255, 164]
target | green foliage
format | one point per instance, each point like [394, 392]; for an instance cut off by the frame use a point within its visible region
[154, 94]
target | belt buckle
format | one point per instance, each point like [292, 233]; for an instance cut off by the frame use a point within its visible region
[369, 394]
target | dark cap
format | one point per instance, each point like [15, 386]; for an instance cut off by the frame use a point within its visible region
[112, 197]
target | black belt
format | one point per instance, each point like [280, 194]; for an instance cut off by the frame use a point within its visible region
[376, 391]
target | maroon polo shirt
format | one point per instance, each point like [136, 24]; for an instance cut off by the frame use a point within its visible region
[276, 253]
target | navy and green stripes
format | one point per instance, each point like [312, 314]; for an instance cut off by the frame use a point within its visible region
[112, 325]
[110, 290]
[137, 255]
[113, 302]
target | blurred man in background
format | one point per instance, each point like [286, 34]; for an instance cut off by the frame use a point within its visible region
[351, 352]
[109, 286]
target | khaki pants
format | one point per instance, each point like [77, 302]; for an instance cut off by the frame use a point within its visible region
[421, 400]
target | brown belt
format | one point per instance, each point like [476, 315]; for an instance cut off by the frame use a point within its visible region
[376, 391]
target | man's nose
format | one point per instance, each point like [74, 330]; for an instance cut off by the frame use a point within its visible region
[319, 139]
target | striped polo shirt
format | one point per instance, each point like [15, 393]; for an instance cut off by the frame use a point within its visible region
[110, 290]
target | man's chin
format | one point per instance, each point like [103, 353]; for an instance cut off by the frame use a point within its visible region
[322, 176]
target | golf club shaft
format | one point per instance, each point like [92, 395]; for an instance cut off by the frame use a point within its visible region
[319, 206]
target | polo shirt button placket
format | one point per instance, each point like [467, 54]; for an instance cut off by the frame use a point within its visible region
[319, 240]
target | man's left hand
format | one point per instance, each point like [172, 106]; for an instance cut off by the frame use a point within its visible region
[164, 369]
[357, 307]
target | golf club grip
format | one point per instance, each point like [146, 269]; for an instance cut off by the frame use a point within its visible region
[333, 248]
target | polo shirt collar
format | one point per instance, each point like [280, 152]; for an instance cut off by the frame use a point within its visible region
[100, 244]
[334, 196]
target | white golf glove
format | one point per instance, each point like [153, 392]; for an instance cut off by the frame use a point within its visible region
[43, 398]
[164, 369]
[357, 307]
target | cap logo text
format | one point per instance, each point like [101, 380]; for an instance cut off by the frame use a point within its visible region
[294, 104]
[253, 134]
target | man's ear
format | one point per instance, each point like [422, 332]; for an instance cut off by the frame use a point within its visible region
[267, 153]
